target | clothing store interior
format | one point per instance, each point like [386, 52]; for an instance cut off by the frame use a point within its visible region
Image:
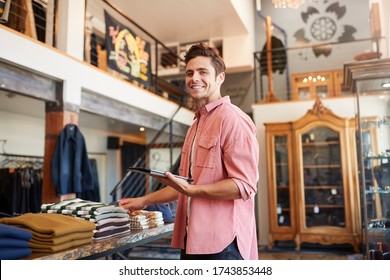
[94, 99]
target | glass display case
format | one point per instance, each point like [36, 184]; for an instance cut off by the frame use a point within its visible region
[376, 166]
[367, 80]
[312, 197]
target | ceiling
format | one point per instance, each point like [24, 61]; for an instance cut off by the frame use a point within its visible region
[184, 21]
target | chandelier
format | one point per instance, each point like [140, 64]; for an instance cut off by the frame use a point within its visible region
[294, 4]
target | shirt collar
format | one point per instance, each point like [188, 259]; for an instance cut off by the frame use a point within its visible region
[210, 106]
[71, 131]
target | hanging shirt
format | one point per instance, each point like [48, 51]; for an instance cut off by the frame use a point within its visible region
[226, 147]
[70, 165]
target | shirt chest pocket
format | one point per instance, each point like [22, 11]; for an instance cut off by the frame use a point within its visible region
[206, 152]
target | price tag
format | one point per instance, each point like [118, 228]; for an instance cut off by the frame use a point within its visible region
[279, 209]
[316, 209]
[281, 219]
[333, 191]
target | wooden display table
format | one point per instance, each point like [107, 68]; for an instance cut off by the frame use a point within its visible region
[108, 246]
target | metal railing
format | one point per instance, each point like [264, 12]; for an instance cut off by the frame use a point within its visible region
[34, 18]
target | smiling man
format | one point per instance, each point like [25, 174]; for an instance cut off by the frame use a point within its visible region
[215, 217]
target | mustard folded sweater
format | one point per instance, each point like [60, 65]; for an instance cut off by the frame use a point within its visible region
[61, 239]
[50, 248]
[48, 225]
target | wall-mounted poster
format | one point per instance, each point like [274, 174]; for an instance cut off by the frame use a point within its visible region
[127, 53]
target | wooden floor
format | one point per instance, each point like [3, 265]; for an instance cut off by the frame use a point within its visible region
[309, 252]
[307, 256]
[161, 249]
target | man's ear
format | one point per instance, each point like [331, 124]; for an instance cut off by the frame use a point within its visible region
[221, 78]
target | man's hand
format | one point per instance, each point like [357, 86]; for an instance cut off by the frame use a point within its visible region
[176, 183]
[133, 204]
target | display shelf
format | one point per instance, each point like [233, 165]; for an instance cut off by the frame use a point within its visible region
[311, 191]
[377, 205]
[373, 137]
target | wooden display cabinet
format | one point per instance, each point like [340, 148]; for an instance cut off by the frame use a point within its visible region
[318, 175]
[306, 86]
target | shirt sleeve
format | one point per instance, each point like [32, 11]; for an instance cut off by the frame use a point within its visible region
[241, 162]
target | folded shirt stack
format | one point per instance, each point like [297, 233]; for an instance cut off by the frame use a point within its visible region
[53, 232]
[164, 209]
[14, 242]
[146, 219]
[110, 220]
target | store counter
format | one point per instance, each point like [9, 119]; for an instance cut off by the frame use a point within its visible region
[109, 246]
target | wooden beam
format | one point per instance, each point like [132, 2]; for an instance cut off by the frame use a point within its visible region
[21, 81]
[271, 94]
[123, 112]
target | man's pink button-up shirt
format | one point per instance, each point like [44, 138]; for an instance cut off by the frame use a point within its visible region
[225, 147]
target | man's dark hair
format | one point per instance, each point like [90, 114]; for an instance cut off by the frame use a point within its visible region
[203, 49]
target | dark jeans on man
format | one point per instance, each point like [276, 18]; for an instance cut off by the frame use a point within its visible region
[231, 252]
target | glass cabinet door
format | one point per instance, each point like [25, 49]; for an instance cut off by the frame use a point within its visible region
[281, 198]
[322, 178]
[282, 181]
[376, 163]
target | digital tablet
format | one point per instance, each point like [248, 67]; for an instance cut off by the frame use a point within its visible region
[149, 171]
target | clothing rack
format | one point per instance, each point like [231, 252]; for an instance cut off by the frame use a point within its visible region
[20, 161]
[20, 184]
[20, 156]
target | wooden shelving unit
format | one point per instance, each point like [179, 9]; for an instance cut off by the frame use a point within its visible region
[312, 197]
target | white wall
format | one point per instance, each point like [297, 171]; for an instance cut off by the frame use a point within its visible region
[238, 53]
[238, 50]
[23, 134]
[291, 111]
[384, 9]
[71, 40]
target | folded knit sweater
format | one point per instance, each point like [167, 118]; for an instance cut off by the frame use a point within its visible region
[50, 225]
